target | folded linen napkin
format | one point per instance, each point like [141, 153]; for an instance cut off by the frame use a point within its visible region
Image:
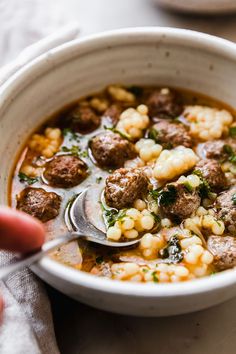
[27, 325]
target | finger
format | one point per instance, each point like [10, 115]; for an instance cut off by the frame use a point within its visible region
[19, 232]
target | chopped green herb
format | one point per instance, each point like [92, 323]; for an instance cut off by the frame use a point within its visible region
[188, 186]
[154, 277]
[230, 152]
[234, 198]
[114, 130]
[144, 270]
[29, 180]
[71, 134]
[83, 153]
[99, 259]
[204, 188]
[98, 180]
[172, 253]
[168, 196]
[153, 134]
[155, 193]
[232, 131]
[73, 150]
[228, 149]
[112, 215]
[156, 217]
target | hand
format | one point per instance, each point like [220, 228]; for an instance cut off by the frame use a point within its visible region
[19, 232]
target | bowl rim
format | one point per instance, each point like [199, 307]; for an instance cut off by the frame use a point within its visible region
[58, 56]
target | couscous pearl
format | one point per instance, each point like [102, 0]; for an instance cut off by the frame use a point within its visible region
[145, 154]
[131, 234]
[186, 242]
[181, 271]
[147, 253]
[218, 228]
[165, 222]
[138, 225]
[140, 204]
[133, 213]
[142, 109]
[162, 267]
[163, 277]
[196, 249]
[174, 278]
[191, 258]
[156, 150]
[131, 268]
[200, 271]
[147, 222]
[207, 257]
[127, 223]
[201, 211]
[135, 132]
[113, 233]
[146, 241]
[193, 180]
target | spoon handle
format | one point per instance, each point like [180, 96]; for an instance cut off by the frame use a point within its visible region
[32, 258]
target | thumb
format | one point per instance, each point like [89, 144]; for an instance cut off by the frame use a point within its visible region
[20, 232]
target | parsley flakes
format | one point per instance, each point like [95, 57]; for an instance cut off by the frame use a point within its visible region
[29, 180]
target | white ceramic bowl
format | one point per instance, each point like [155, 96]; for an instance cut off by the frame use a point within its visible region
[200, 6]
[157, 56]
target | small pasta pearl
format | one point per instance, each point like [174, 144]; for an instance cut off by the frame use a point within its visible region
[131, 234]
[145, 154]
[113, 233]
[127, 223]
[207, 257]
[133, 213]
[140, 204]
[147, 222]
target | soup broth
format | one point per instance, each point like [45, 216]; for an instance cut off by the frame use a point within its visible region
[166, 162]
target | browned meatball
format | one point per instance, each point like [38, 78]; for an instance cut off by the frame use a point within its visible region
[172, 134]
[113, 113]
[164, 104]
[177, 202]
[65, 171]
[218, 149]
[39, 203]
[111, 150]
[124, 186]
[226, 208]
[223, 249]
[212, 172]
[83, 119]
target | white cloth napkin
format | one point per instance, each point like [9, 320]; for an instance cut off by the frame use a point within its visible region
[27, 326]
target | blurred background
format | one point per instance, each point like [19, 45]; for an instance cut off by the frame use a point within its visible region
[24, 22]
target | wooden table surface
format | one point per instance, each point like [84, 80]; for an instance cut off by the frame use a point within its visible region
[81, 329]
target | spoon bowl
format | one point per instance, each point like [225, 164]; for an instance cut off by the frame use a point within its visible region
[79, 225]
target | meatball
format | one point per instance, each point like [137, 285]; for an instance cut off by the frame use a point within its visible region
[65, 171]
[177, 202]
[124, 186]
[172, 134]
[111, 150]
[113, 113]
[219, 149]
[164, 104]
[223, 249]
[226, 208]
[83, 119]
[39, 203]
[212, 172]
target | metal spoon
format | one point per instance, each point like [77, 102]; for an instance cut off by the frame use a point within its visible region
[80, 226]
